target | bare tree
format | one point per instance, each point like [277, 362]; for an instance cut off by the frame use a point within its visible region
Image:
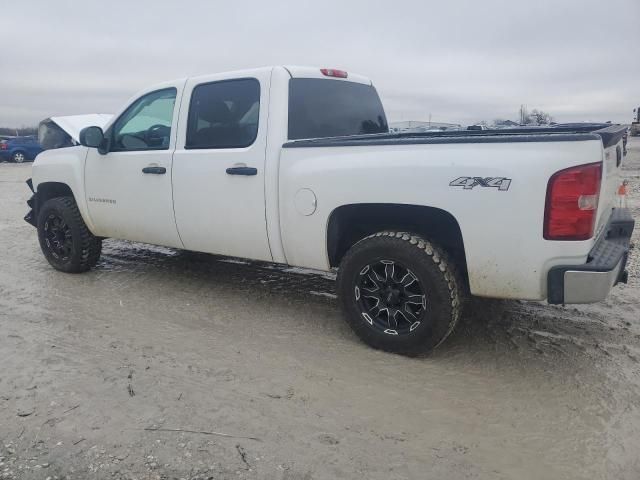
[539, 117]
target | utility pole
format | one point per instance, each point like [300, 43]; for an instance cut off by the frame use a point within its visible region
[523, 114]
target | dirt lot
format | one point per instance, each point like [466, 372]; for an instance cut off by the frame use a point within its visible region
[99, 371]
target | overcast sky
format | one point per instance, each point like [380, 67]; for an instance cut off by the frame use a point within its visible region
[458, 60]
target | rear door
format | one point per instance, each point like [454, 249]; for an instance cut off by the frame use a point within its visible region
[219, 165]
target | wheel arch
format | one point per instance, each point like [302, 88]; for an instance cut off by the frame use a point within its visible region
[52, 189]
[48, 190]
[350, 223]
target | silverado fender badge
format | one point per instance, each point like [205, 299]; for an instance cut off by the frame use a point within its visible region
[501, 183]
[101, 200]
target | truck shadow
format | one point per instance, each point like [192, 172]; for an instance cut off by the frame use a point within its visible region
[509, 330]
[556, 335]
[264, 278]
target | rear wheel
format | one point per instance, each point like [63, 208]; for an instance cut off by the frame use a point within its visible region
[65, 240]
[19, 157]
[400, 292]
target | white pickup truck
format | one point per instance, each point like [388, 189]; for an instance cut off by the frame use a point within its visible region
[296, 166]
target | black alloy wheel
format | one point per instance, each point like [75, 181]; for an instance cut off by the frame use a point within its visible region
[65, 240]
[57, 237]
[400, 292]
[390, 297]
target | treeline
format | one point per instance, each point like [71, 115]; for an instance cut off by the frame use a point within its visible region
[18, 132]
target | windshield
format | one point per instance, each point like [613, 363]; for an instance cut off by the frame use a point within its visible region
[330, 108]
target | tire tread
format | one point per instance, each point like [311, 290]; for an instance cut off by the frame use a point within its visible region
[90, 246]
[435, 254]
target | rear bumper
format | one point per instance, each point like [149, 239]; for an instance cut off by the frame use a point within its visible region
[605, 267]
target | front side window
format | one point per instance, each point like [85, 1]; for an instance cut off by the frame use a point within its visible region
[146, 124]
[224, 114]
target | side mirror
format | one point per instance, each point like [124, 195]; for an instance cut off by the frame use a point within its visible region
[91, 137]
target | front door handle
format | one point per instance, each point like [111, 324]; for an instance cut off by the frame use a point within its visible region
[242, 171]
[155, 170]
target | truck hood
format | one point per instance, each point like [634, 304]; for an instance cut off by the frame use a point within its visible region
[73, 124]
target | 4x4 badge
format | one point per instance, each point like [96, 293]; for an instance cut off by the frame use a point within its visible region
[501, 183]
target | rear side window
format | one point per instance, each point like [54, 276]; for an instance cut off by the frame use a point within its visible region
[224, 114]
[321, 108]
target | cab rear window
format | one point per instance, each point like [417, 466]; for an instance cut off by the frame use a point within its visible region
[320, 108]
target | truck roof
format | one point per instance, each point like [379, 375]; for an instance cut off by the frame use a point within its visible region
[295, 71]
[316, 72]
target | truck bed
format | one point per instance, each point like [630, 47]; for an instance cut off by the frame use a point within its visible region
[502, 230]
[609, 134]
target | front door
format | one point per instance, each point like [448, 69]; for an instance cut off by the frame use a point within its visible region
[128, 189]
[219, 166]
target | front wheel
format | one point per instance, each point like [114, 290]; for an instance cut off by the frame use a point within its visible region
[65, 240]
[400, 293]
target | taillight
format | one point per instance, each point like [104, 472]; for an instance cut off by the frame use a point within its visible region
[572, 202]
[3, 146]
[332, 72]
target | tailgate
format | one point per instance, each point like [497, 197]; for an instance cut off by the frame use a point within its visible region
[612, 157]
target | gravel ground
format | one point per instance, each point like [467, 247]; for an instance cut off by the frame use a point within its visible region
[163, 364]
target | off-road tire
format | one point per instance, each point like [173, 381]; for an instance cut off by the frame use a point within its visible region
[431, 266]
[85, 247]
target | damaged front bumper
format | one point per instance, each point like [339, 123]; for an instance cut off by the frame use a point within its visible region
[32, 216]
[605, 267]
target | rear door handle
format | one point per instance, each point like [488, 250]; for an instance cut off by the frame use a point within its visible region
[155, 170]
[242, 171]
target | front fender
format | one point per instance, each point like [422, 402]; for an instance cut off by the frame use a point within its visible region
[65, 166]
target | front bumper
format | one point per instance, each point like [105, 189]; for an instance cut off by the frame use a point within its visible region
[605, 267]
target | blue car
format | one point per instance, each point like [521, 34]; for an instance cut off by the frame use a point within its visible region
[19, 149]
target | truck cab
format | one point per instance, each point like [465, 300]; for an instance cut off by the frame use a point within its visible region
[193, 163]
